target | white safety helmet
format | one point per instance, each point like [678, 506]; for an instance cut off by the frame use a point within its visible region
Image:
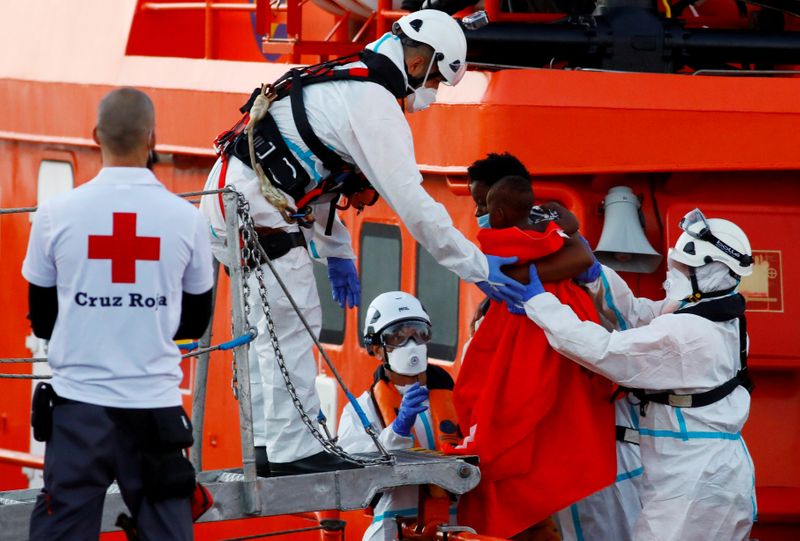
[713, 239]
[442, 32]
[388, 310]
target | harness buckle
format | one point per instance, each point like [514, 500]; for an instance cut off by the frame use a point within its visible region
[627, 435]
[680, 400]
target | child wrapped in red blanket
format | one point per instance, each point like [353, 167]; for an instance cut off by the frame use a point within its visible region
[542, 426]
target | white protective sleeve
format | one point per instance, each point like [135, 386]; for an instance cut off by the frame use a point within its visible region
[380, 143]
[351, 434]
[670, 353]
[612, 293]
[337, 244]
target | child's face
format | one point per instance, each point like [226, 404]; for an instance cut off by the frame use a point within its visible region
[498, 216]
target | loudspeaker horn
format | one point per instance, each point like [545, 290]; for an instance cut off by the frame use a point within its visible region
[622, 245]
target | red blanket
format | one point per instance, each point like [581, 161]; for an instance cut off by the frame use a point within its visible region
[542, 426]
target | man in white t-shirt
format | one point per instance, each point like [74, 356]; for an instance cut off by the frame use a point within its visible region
[125, 265]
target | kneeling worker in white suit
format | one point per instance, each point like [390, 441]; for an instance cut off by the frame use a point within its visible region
[410, 400]
[689, 369]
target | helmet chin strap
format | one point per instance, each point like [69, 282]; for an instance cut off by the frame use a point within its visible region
[413, 80]
[385, 361]
[698, 295]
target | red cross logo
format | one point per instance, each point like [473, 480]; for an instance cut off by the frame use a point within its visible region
[124, 248]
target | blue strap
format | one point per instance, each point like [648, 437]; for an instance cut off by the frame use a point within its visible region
[689, 435]
[409, 512]
[428, 431]
[236, 342]
[576, 522]
[623, 325]
[624, 476]
[189, 346]
[358, 409]
[387, 35]
[681, 423]
[634, 416]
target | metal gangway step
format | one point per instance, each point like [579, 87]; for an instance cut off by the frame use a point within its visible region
[235, 498]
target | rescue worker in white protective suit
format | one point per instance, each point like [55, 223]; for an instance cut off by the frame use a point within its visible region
[610, 514]
[354, 120]
[410, 400]
[689, 370]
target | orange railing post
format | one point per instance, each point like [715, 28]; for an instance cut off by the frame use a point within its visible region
[18, 458]
[208, 30]
[382, 25]
[492, 8]
[263, 17]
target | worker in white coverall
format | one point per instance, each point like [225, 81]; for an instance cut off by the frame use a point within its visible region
[689, 369]
[610, 514]
[410, 401]
[363, 123]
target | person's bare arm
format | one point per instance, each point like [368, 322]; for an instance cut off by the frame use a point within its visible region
[571, 260]
[521, 273]
[566, 219]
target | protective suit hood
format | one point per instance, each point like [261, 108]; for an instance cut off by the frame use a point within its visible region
[712, 280]
[389, 46]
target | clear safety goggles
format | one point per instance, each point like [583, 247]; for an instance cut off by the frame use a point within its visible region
[398, 334]
[689, 224]
[695, 225]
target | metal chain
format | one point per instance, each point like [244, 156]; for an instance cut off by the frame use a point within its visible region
[252, 254]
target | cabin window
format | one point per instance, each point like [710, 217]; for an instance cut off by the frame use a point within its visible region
[437, 290]
[55, 177]
[332, 316]
[379, 264]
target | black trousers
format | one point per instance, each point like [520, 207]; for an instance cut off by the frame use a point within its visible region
[84, 455]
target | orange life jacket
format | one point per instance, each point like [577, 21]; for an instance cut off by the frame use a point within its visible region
[443, 413]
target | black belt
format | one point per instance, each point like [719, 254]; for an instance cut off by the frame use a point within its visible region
[278, 244]
[627, 435]
[696, 400]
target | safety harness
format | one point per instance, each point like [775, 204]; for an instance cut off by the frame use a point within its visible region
[719, 310]
[272, 152]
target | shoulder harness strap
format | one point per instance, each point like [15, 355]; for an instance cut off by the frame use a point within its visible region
[380, 70]
[724, 309]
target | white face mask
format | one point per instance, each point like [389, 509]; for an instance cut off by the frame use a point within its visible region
[420, 99]
[677, 285]
[409, 360]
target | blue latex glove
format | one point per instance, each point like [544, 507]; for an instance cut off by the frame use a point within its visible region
[516, 309]
[500, 287]
[344, 282]
[592, 273]
[410, 407]
[535, 287]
